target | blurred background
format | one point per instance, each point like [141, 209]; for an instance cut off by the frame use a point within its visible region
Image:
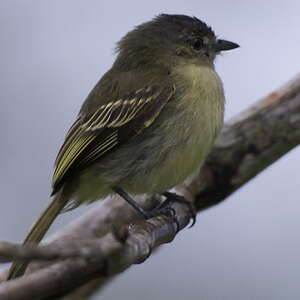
[53, 52]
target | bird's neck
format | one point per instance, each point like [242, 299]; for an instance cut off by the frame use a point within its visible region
[141, 59]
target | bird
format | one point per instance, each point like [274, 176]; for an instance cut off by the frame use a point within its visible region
[147, 125]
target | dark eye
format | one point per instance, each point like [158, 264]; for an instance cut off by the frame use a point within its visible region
[197, 44]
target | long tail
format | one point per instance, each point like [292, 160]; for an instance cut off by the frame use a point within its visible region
[38, 231]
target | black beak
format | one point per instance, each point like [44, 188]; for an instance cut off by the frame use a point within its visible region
[223, 45]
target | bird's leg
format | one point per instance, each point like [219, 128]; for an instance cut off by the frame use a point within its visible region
[130, 200]
[163, 209]
[166, 210]
[147, 214]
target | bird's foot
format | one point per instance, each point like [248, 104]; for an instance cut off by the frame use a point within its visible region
[173, 197]
[165, 208]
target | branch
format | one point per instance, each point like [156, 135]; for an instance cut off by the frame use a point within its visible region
[85, 249]
[109, 255]
[248, 144]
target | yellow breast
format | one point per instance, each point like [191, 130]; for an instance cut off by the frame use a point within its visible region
[201, 119]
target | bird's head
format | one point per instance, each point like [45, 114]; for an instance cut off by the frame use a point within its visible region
[171, 38]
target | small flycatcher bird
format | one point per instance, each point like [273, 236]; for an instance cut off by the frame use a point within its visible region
[147, 125]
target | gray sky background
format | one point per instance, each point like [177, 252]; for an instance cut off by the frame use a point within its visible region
[53, 52]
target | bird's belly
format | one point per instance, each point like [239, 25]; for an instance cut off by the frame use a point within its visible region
[184, 160]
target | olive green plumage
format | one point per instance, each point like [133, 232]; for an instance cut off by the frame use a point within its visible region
[149, 122]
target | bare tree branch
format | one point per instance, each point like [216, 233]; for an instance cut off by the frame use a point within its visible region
[117, 252]
[85, 249]
[248, 144]
[97, 248]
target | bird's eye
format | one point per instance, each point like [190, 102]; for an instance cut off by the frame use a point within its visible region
[197, 44]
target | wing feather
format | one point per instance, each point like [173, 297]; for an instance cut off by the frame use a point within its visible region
[91, 137]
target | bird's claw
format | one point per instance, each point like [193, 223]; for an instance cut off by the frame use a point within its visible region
[172, 197]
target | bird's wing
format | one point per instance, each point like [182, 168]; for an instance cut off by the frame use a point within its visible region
[113, 123]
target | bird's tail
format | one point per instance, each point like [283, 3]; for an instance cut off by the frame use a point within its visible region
[38, 231]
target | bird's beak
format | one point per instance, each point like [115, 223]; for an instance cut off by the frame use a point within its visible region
[223, 45]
